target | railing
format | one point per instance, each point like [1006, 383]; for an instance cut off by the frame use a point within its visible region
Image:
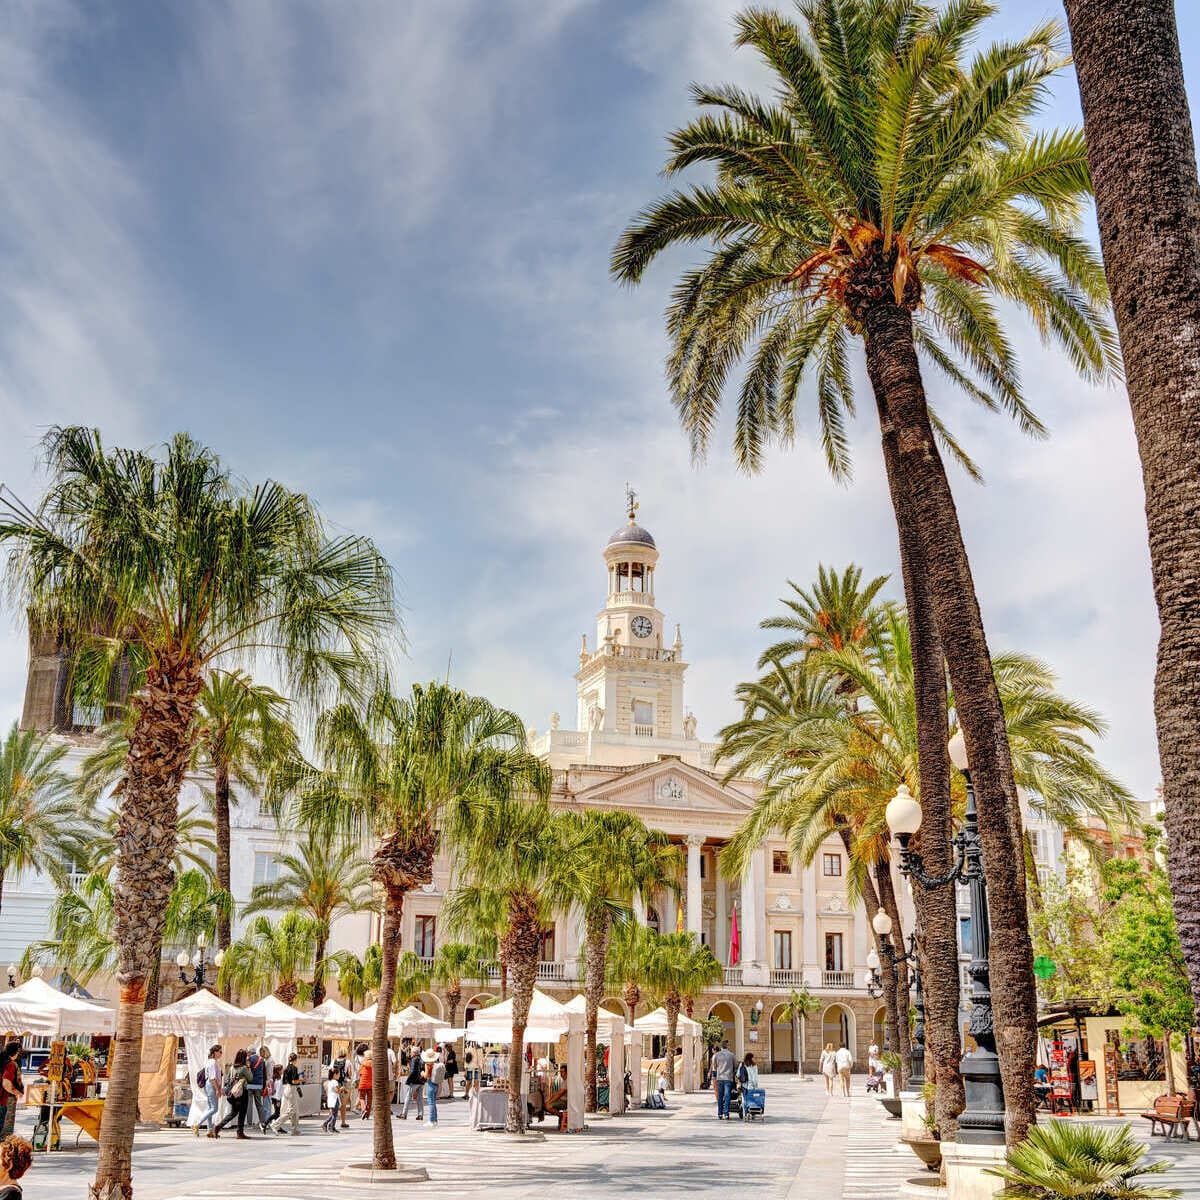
[837, 979]
[733, 976]
[643, 731]
[635, 653]
[426, 962]
[786, 978]
[621, 599]
[553, 971]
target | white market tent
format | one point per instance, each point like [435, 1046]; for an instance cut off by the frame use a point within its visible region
[548, 1021]
[610, 1029]
[200, 1020]
[282, 1025]
[409, 1022]
[688, 1032]
[337, 1021]
[39, 1008]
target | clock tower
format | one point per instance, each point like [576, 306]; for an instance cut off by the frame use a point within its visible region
[631, 682]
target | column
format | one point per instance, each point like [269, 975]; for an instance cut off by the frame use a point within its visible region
[859, 953]
[810, 959]
[721, 930]
[754, 904]
[695, 899]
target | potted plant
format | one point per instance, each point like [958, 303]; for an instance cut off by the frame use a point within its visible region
[928, 1148]
[891, 1062]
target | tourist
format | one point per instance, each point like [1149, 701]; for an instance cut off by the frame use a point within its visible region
[10, 1081]
[209, 1082]
[435, 1073]
[276, 1086]
[413, 1088]
[844, 1060]
[724, 1066]
[256, 1086]
[365, 1083]
[289, 1100]
[237, 1088]
[748, 1072]
[333, 1099]
[874, 1064]
[471, 1072]
[16, 1157]
[342, 1070]
[828, 1067]
[557, 1104]
[451, 1070]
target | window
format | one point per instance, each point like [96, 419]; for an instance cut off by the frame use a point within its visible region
[964, 935]
[1137, 1058]
[425, 937]
[643, 712]
[547, 951]
[783, 949]
[703, 866]
[781, 864]
[266, 867]
[833, 952]
[831, 864]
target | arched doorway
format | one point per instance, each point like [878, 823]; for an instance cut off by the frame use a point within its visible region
[879, 1028]
[479, 1001]
[613, 1004]
[730, 1017]
[429, 1003]
[837, 1026]
[783, 1042]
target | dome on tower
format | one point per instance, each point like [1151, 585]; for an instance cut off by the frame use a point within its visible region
[631, 534]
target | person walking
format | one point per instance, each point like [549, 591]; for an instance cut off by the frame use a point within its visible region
[724, 1066]
[13, 1086]
[844, 1060]
[747, 1073]
[16, 1157]
[343, 1076]
[289, 1100]
[451, 1070]
[209, 1082]
[828, 1066]
[333, 1098]
[365, 1083]
[238, 1091]
[435, 1073]
[414, 1088]
[258, 1081]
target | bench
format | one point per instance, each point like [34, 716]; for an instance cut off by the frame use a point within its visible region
[1171, 1112]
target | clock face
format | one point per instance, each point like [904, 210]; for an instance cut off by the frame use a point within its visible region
[641, 627]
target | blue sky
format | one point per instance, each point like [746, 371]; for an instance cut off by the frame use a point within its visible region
[362, 248]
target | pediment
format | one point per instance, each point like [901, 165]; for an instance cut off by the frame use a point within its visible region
[667, 785]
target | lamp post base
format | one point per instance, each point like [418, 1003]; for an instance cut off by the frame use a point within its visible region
[981, 1123]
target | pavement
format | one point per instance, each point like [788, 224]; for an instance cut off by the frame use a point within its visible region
[809, 1146]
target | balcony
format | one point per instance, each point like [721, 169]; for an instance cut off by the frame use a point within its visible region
[552, 972]
[786, 978]
[837, 979]
[733, 977]
[650, 654]
[643, 731]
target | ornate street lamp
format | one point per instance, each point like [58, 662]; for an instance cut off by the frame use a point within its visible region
[882, 924]
[199, 962]
[982, 1121]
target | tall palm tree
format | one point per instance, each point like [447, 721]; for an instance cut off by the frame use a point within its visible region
[42, 824]
[165, 567]
[624, 860]
[1143, 160]
[892, 192]
[836, 612]
[405, 772]
[679, 967]
[357, 978]
[272, 956]
[798, 1007]
[194, 844]
[628, 959]
[322, 878]
[521, 855]
[454, 962]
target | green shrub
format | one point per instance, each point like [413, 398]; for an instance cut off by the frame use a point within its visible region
[1080, 1162]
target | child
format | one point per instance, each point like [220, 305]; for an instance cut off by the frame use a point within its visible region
[333, 1097]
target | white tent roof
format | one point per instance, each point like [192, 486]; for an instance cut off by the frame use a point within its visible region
[656, 1022]
[203, 1013]
[37, 1007]
[608, 1023]
[283, 1021]
[547, 1022]
[339, 1021]
[414, 1023]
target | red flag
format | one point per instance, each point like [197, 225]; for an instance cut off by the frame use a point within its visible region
[735, 941]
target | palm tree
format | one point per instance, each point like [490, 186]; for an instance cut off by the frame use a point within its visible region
[194, 845]
[166, 567]
[835, 613]
[679, 967]
[798, 1007]
[358, 977]
[628, 959]
[624, 860]
[1143, 161]
[273, 957]
[405, 772]
[42, 825]
[454, 962]
[893, 192]
[321, 878]
[520, 856]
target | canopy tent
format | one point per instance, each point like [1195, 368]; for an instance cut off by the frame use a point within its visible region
[39, 1008]
[547, 1022]
[201, 1020]
[283, 1026]
[338, 1021]
[409, 1022]
[610, 1029]
[688, 1032]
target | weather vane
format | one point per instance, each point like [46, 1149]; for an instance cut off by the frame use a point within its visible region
[632, 500]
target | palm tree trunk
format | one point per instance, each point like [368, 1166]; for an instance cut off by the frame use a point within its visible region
[887, 980]
[154, 983]
[887, 901]
[159, 749]
[221, 797]
[523, 943]
[598, 932]
[937, 911]
[454, 999]
[672, 1005]
[1, 889]
[383, 1152]
[1142, 157]
[894, 373]
[632, 997]
[318, 983]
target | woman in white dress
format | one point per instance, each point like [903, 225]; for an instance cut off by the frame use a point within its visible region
[828, 1067]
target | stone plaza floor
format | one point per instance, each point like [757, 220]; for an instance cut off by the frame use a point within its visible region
[809, 1146]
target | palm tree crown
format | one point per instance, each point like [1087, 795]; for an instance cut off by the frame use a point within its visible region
[272, 957]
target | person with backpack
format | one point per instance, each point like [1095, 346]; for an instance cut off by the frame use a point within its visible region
[208, 1084]
[341, 1069]
[238, 1091]
[413, 1088]
[435, 1074]
[258, 1081]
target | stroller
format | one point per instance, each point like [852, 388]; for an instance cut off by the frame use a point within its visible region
[735, 1101]
[875, 1081]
